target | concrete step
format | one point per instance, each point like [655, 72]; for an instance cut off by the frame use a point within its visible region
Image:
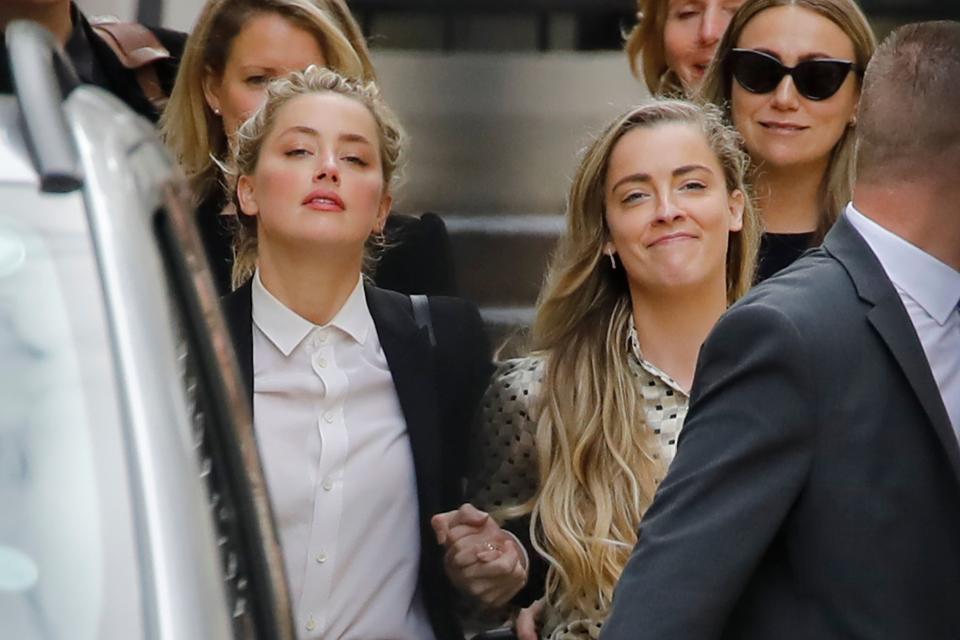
[496, 134]
[500, 263]
[500, 260]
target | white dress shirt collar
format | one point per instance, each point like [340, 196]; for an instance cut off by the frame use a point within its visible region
[633, 345]
[286, 329]
[934, 285]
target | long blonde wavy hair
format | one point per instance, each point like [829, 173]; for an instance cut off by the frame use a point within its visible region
[191, 130]
[836, 187]
[596, 467]
[253, 132]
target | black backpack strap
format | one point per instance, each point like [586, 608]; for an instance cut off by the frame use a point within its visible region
[421, 313]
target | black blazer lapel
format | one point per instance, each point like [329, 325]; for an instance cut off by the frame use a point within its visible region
[410, 357]
[891, 321]
[238, 312]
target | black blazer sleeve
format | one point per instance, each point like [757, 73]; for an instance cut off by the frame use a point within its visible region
[418, 257]
[743, 457]
[464, 366]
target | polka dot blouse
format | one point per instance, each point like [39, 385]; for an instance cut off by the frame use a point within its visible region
[504, 464]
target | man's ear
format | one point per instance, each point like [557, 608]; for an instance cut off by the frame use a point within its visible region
[737, 202]
[247, 196]
[211, 91]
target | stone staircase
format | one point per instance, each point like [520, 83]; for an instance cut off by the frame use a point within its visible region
[495, 139]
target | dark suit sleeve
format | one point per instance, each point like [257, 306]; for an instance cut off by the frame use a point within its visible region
[743, 457]
[464, 366]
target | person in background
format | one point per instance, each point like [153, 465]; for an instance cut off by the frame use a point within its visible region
[673, 42]
[661, 238]
[816, 488]
[788, 72]
[96, 61]
[361, 407]
[236, 48]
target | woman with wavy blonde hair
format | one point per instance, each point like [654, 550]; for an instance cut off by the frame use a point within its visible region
[661, 237]
[787, 73]
[673, 41]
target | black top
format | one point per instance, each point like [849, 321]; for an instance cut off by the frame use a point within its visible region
[216, 232]
[816, 488]
[418, 258]
[97, 64]
[779, 250]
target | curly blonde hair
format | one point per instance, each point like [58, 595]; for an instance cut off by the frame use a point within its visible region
[253, 132]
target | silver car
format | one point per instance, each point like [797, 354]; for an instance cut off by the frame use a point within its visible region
[132, 504]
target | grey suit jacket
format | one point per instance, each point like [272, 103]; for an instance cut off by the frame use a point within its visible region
[816, 489]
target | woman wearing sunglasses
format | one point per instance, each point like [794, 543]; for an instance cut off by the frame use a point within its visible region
[674, 40]
[788, 73]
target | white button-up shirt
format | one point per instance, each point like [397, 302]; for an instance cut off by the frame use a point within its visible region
[339, 471]
[930, 291]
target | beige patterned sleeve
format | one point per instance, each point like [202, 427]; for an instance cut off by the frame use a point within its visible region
[503, 463]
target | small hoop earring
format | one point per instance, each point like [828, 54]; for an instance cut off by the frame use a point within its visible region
[613, 261]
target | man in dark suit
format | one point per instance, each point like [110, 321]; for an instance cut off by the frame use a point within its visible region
[816, 489]
[96, 62]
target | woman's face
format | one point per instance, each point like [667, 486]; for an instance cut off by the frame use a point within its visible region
[691, 33]
[668, 209]
[319, 178]
[782, 129]
[268, 46]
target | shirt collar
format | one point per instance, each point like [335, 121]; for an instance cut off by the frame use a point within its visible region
[286, 329]
[934, 285]
[633, 344]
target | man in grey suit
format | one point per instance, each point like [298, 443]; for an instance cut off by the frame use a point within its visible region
[816, 491]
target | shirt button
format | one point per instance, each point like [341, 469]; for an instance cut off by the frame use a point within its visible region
[322, 338]
[311, 624]
[328, 417]
[327, 484]
[321, 558]
[322, 363]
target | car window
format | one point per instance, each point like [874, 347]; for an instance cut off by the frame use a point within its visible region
[68, 558]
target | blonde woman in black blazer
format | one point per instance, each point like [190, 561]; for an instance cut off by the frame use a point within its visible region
[361, 397]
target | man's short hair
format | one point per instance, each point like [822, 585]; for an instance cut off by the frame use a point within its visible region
[909, 115]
